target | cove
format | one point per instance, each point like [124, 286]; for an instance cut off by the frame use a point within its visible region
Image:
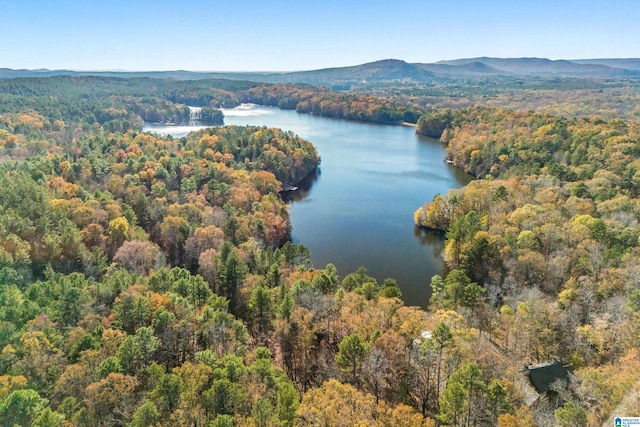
[358, 209]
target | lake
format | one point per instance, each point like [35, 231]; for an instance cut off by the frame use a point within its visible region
[358, 210]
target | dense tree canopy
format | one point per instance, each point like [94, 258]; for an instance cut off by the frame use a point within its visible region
[554, 215]
[148, 280]
[323, 102]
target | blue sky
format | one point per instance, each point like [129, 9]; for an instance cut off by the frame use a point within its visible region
[244, 35]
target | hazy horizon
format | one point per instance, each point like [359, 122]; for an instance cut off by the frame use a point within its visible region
[290, 71]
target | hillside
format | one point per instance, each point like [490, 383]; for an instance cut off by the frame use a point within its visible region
[470, 68]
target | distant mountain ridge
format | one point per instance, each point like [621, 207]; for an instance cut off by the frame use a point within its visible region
[388, 70]
[625, 63]
[545, 66]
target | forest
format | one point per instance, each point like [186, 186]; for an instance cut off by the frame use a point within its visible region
[328, 103]
[549, 231]
[151, 281]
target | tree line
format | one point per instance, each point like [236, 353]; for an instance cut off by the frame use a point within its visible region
[327, 103]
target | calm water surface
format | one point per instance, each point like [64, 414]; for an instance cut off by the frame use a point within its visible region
[358, 210]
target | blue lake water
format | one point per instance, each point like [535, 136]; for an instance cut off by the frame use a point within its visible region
[358, 210]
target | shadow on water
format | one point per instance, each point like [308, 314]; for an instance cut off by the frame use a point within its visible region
[433, 239]
[303, 188]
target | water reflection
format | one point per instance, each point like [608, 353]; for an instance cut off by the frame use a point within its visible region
[304, 188]
[430, 238]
